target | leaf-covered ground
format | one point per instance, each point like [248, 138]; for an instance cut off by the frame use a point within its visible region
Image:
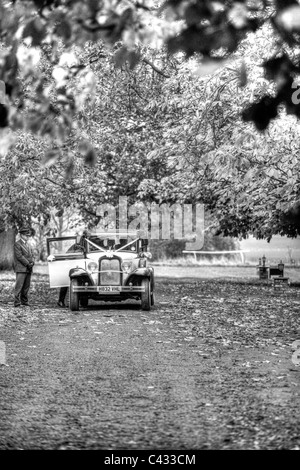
[212, 369]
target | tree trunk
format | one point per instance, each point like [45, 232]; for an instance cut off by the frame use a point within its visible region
[7, 240]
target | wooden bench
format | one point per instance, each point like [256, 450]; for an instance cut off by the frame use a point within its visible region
[277, 270]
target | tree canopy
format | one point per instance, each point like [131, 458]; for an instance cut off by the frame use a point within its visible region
[181, 100]
[36, 31]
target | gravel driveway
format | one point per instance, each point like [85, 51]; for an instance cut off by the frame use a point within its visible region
[208, 368]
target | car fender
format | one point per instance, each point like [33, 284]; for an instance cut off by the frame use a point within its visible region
[152, 277]
[79, 272]
[142, 272]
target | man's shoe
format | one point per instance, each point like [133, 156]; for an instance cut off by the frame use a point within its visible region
[26, 305]
[17, 305]
[61, 304]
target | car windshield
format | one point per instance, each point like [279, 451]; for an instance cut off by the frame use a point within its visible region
[111, 242]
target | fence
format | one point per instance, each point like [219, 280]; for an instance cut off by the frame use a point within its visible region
[241, 252]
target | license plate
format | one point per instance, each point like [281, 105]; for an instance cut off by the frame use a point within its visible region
[108, 289]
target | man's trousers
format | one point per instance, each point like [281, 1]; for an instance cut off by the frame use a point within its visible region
[21, 288]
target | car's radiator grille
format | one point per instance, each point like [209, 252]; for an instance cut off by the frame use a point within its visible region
[109, 272]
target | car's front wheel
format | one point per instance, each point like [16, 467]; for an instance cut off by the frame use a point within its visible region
[146, 296]
[152, 298]
[74, 297]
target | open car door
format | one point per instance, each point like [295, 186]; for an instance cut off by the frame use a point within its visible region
[62, 258]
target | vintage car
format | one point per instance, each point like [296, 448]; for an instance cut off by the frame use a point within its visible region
[107, 266]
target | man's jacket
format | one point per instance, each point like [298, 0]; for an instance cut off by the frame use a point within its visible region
[23, 255]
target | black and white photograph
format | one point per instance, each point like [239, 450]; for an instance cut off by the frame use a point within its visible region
[149, 228]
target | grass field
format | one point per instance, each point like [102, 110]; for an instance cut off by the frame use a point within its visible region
[279, 248]
[242, 273]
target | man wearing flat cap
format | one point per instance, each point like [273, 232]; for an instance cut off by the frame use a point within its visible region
[23, 264]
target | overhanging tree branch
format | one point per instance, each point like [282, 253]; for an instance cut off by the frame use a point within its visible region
[155, 68]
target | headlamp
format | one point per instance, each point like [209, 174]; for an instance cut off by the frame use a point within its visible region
[127, 266]
[92, 266]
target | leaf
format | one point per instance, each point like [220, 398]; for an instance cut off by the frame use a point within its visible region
[63, 29]
[289, 19]
[69, 170]
[90, 157]
[124, 55]
[3, 116]
[43, 3]
[243, 75]
[59, 213]
[2, 352]
[133, 59]
[208, 67]
[35, 30]
[120, 57]
[88, 152]
[238, 15]
[34, 123]
[296, 344]
[50, 157]
[296, 358]
[61, 76]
